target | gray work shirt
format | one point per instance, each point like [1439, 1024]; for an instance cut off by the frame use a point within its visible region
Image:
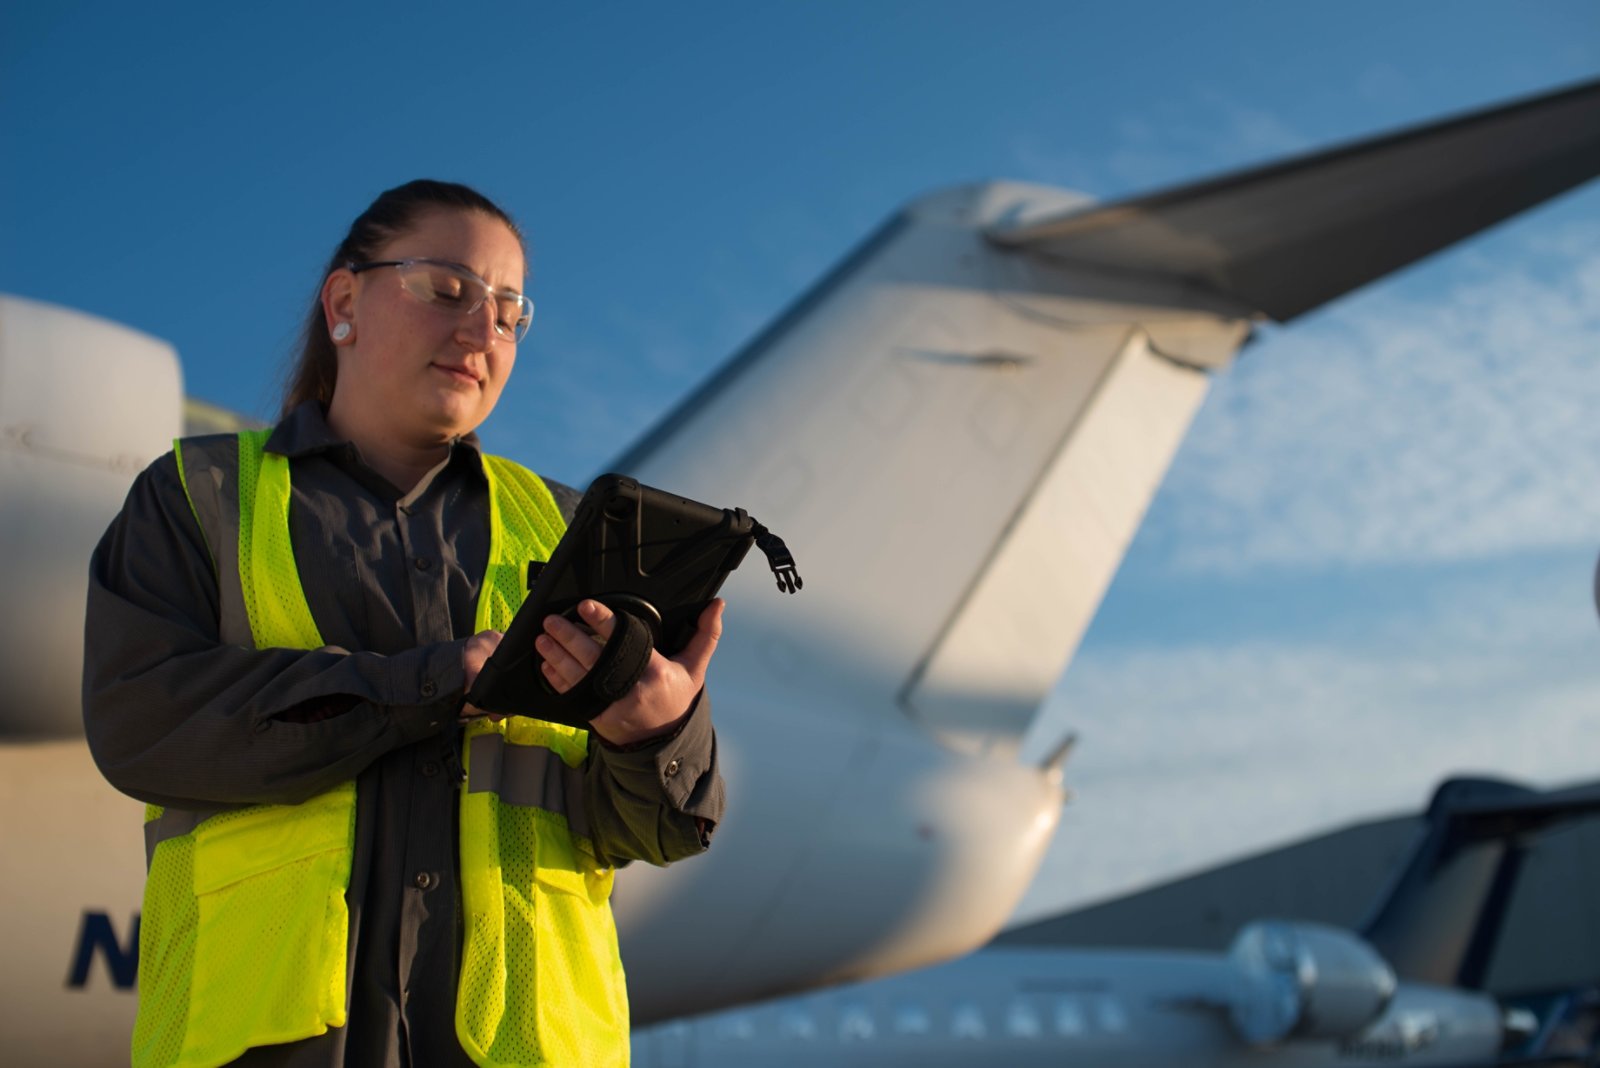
[175, 717]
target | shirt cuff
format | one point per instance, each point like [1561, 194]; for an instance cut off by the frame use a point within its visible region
[675, 762]
[426, 687]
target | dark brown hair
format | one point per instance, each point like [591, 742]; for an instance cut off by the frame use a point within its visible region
[395, 211]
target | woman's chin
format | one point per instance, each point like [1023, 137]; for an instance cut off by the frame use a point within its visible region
[454, 415]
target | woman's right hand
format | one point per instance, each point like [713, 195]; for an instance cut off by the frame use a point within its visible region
[474, 654]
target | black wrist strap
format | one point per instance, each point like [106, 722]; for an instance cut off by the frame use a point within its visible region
[622, 660]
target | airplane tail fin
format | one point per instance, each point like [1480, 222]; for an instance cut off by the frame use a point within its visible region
[958, 431]
[957, 445]
[1440, 919]
[1288, 237]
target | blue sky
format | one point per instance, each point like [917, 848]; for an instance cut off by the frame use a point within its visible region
[1385, 512]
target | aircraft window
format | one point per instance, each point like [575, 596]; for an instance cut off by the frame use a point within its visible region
[797, 1023]
[855, 1024]
[1069, 1017]
[912, 1020]
[1419, 1029]
[1110, 1015]
[966, 1021]
[1022, 1021]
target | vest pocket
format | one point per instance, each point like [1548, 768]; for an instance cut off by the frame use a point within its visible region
[541, 980]
[577, 953]
[565, 869]
[273, 925]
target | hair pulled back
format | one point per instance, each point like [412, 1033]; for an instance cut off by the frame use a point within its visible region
[395, 212]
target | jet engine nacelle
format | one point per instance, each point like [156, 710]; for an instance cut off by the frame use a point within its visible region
[1306, 981]
[85, 404]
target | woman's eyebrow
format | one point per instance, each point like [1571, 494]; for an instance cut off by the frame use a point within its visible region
[475, 273]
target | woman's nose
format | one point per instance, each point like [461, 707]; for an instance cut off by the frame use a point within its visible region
[476, 328]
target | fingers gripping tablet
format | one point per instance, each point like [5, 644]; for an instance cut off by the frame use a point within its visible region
[656, 560]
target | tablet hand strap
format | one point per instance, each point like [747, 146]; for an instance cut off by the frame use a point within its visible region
[623, 659]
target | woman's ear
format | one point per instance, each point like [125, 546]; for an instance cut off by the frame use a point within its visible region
[339, 305]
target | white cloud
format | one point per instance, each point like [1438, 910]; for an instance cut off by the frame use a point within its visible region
[1416, 429]
[1195, 755]
[1458, 427]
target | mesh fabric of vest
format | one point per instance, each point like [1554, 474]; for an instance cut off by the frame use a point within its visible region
[541, 976]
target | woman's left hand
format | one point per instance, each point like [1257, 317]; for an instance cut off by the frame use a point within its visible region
[664, 694]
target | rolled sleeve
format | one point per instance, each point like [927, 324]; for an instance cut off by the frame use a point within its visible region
[657, 802]
[173, 715]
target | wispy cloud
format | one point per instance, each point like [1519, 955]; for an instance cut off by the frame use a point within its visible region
[1184, 137]
[1206, 752]
[1206, 130]
[1445, 420]
[1458, 427]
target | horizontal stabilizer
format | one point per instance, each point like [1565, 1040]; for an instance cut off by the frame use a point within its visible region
[1290, 236]
[1485, 808]
[1441, 919]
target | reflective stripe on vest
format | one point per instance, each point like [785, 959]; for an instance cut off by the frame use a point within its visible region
[528, 775]
[161, 824]
[244, 939]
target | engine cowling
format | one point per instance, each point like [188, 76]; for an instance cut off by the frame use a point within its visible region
[1305, 981]
[85, 404]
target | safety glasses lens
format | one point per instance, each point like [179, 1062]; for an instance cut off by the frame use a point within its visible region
[514, 315]
[433, 284]
[448, 287]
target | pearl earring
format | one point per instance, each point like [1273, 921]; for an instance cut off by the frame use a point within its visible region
[341, 331]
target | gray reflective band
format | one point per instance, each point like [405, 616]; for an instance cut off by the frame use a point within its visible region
[172, 823]
[210, 473]
[528, 775]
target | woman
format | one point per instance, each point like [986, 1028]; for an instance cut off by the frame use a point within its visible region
[281, 629]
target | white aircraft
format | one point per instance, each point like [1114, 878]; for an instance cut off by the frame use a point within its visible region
[1407, 990]
[958, 431]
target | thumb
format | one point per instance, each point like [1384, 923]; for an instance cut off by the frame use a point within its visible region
[696, 655]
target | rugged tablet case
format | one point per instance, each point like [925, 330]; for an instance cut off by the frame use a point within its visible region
[635, 549]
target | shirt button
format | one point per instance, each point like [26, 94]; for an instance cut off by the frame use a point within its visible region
[431, 768]
[671, 769]
[424, 562]
[428, 688]
[423, 880]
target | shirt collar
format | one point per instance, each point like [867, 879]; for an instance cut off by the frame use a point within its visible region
[305, 431]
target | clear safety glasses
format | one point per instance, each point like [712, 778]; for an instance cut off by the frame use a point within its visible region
[453, 287]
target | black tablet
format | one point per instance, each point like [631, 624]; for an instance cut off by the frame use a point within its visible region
[642, 552]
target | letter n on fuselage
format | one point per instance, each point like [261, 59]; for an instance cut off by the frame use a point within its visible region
[96, 935]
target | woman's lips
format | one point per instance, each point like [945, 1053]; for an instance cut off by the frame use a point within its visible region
[459, 374]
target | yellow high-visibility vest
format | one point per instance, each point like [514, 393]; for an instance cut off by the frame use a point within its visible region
[244, 937]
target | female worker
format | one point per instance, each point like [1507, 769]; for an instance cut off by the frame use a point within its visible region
[344, 869]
